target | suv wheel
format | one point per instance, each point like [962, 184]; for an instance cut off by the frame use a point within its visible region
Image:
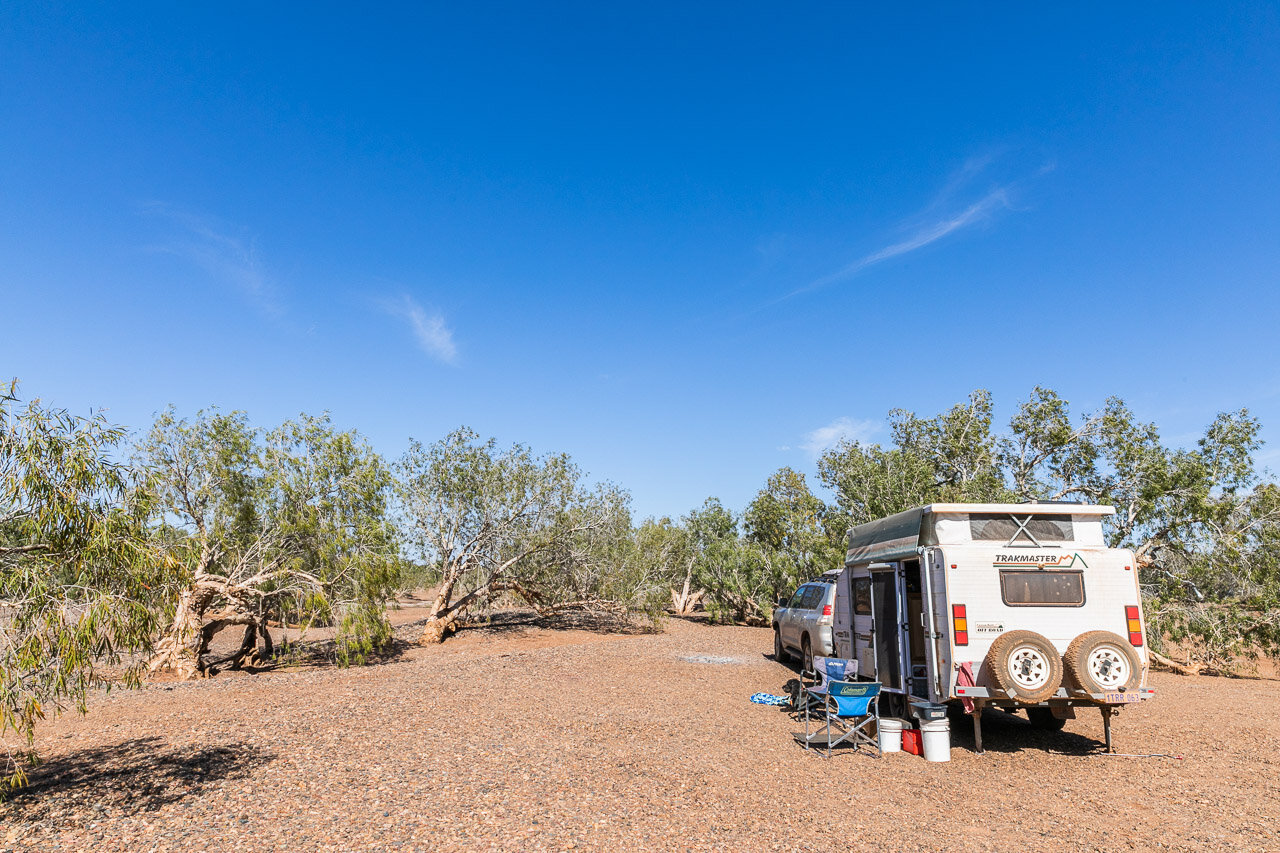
[806, 654]
[779, 653]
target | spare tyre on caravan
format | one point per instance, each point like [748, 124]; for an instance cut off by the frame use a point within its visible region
[1021, 606]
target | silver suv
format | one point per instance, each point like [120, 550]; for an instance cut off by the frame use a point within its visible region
[802, 623]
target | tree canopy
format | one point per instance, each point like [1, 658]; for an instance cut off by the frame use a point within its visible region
[79, 578]
[290, 524]
[496, 521]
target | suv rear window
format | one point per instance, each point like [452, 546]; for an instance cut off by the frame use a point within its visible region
[1041, 588]
[812, 596]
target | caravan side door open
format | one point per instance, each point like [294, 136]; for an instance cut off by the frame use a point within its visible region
[886, 627]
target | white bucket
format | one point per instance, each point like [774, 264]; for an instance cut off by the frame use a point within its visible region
[936, 738]
[890, 734]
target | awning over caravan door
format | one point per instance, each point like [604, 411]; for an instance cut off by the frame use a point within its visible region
[894, 538]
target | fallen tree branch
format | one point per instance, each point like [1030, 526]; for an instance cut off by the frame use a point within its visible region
[1181, 669]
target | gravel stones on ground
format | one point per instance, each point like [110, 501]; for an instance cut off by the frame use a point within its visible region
[522, 738]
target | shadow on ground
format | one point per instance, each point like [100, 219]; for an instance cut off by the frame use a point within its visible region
[565, 620]
[1005, 732]
[324, 653]
[138, 775]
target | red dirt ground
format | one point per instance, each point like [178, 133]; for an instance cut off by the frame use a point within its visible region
[536, 739]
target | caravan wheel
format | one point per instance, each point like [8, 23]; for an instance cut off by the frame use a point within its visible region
[1102, 662]
[1025, 665]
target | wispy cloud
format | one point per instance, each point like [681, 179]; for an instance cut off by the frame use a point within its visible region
[433, 335]
[841, 429]
[230, 260]
[977, 212]
[954, 207]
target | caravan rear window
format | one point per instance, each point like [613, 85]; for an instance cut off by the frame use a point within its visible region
[1042, 588]
[862, 596]
[1019, 529]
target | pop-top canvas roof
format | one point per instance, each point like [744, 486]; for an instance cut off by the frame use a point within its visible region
[898, 536]
[892, 538]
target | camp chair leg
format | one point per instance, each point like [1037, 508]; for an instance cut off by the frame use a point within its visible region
[826, 712]
[806, 720]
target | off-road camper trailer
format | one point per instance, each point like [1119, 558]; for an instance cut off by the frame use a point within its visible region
[1013, 605]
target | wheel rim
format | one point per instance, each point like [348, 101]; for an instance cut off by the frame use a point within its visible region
[1108, 667]
[1029, 668]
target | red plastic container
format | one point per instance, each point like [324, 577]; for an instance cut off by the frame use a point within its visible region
[911, 741]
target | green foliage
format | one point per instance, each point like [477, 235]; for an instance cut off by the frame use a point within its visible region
[290, 524]
[79, 583]
[326, 498]
[364, 632]
[1219, 605]
[741, 577]
[949, 457]
[504, 522]
[659, 557]
[785, 518]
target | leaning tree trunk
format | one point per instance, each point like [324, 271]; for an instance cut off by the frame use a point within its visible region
[446, 614]
[443, 619]
[185, 647]
[685, 602]
[180, 649]
[1190, 668]
[439, 627]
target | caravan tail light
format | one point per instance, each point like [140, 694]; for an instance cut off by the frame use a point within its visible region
[1135, 625]
[960, 624]
[826, 610]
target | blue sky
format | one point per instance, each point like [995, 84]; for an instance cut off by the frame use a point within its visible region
[684, 245]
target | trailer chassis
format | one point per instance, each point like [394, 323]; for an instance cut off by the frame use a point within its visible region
[1110, 704]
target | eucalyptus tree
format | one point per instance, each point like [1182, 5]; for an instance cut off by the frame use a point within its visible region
[290, 524]
[79, 581]
[501, 522]
[958, 447]
[949, 457]
[595, 559]
[795, 524]
[739, 578]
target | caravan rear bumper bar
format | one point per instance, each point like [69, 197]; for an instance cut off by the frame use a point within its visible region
[1103, 698]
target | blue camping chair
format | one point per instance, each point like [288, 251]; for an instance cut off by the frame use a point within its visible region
[824, 671]
[837, 711]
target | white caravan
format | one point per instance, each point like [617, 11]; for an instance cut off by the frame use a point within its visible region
[1012, 605]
